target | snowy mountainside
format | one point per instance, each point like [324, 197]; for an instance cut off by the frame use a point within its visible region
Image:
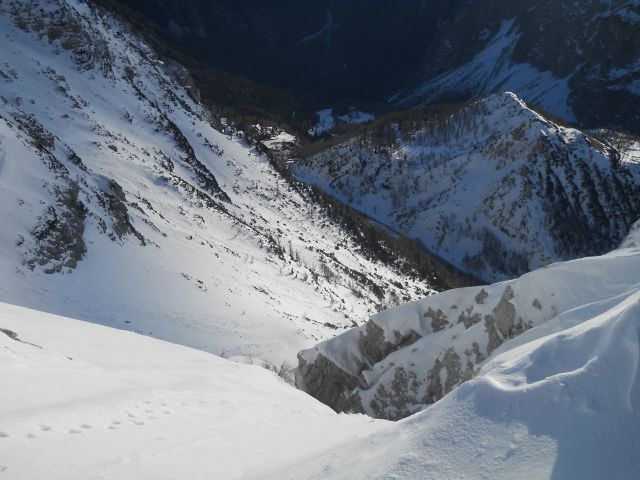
[578, 61]
[122, 205]
[82, 401]
[413, 355]
[492, 187]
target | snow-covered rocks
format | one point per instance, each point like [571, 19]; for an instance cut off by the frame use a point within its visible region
[413, 355]
[560, 401]
[494, 188]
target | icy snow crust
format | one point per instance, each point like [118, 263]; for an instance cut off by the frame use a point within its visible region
[112, 178]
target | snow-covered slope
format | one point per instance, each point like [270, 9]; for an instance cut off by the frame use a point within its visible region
[120, 204]
[579, 61]
[412, 355]
[562, 402]
[82, 401]
[493, 70]
[493, 187]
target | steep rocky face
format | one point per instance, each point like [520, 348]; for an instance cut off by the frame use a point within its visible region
[579, 61]
[411, 356]
[494, 188]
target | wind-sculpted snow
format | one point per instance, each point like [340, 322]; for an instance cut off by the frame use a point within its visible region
[122, 205]
[494, 188]
[561, 401]
[413, 355]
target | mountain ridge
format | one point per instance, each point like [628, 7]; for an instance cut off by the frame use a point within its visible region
[492, 187]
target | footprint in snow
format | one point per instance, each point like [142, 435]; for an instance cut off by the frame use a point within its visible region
[74, 430]
[2, 468]
[3, 435]
[138, 423]
[31, 435]
[86, 426]
[45, 428]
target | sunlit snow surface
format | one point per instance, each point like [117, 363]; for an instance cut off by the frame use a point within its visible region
[82, 401]
[204, 279]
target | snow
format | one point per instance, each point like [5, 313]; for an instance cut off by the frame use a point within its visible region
[327, 120]
[205, 278]
[471, 183]
[280, 141]
[493, 70]
[537, 299]
[356, 116]
[82, 401]
[560, 401]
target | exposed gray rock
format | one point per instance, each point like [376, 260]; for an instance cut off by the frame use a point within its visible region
[481, 297]
[469, 318]
[330, 384]
[59, 233]
[438, 318]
